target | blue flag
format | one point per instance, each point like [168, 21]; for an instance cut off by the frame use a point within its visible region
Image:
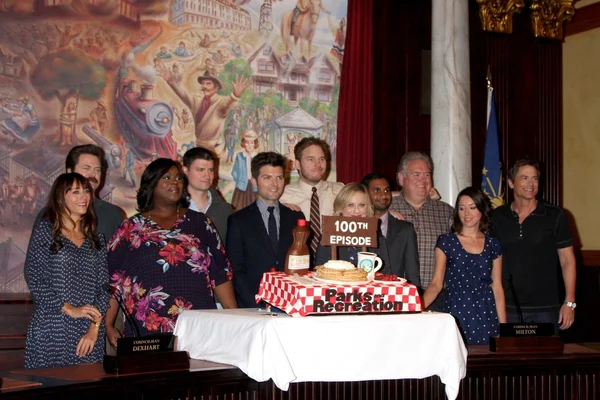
[491, 179]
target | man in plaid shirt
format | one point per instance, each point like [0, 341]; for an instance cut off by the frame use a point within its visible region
[430, 217]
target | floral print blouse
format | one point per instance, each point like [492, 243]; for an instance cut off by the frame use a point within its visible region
[158, 273]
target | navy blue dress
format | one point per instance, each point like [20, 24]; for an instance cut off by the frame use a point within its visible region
[469, 296]
[74, 275]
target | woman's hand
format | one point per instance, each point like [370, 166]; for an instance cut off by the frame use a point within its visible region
[112, 334]
[87, 311]
[87, 342]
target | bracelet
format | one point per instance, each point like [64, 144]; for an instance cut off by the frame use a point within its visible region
[97, 323]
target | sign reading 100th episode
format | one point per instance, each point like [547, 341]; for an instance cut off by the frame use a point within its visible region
[349, 231]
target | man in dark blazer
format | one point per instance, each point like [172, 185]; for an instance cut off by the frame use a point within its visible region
[397, 239]
[259, 236]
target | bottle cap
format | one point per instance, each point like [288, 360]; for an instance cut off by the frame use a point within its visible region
[301, 222]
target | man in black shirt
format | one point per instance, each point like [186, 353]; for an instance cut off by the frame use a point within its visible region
[535, 239]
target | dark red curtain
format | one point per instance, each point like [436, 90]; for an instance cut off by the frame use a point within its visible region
[354, 157]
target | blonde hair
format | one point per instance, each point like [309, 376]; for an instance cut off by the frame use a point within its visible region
[344, 196]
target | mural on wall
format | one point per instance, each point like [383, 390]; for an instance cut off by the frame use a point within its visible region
[136, 76]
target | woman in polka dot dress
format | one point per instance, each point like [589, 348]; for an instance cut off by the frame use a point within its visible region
[470, 260]
[67, 273]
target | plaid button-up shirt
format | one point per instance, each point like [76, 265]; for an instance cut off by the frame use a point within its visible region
[430, 221]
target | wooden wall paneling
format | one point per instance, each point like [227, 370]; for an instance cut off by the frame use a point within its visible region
[15, 311]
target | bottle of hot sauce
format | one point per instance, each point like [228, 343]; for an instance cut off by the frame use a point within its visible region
[297, 260]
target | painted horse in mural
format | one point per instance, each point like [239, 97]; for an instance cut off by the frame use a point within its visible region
[303, 29]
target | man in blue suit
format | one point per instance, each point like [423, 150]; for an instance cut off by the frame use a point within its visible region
[259, 236]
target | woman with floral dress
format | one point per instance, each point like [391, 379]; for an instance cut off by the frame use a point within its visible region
[165, 259]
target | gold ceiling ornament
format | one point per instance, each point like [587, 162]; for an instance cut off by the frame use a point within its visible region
[548, 16]
[497, 15]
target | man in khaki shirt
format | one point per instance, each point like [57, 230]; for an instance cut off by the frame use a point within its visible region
[312, 160]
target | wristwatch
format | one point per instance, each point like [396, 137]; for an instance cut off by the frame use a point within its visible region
[570, 304]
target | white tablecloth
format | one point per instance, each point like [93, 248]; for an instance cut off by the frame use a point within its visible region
[338, 348]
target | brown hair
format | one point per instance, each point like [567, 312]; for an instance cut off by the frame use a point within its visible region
[56, 210]
[309, 141]
[523, 162]
[483, 206]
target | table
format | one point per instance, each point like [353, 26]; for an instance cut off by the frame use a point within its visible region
[338, 348]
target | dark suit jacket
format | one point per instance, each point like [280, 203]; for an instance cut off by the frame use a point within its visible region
[399, 251]
[250, 251]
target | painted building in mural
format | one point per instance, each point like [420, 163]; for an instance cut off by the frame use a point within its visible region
[210, 14]
[124, 74]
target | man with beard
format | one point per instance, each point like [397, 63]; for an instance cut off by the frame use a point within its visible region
[88, 160]
[210, 109]
[397, 239]
[311, 194]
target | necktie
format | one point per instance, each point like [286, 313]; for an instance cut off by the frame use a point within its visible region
[203, 109]
[272, 228]
[315, 221]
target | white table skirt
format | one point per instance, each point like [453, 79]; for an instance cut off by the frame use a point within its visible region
[338, 348]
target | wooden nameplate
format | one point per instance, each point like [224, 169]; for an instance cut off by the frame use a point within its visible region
[146, 362]
[146, 354]
[521, 329]
[527, 344]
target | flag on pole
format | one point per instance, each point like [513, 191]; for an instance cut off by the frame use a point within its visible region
[491, 178]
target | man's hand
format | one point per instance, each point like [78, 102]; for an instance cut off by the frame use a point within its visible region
[566, 317]
[240, 85]
[164, 72]
[292, 206]
[397, 215]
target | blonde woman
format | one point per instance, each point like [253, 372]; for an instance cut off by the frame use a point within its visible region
[352, 201]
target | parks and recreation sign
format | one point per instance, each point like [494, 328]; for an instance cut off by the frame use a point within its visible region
[349, 231]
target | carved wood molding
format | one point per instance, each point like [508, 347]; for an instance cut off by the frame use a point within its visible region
[585, 19]
[548, 17]
[497, 15]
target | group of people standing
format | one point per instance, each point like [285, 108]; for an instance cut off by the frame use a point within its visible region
[187, 249]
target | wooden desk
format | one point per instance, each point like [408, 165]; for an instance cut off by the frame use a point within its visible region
[572, 375]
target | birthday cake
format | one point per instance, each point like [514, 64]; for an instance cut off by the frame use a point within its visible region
[303, 295]
[341, 271]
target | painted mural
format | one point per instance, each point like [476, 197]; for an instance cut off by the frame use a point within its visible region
[132, 76]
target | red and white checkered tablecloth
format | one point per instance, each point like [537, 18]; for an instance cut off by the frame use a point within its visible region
[301, 296]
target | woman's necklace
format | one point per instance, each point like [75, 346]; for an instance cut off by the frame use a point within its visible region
[472, 239]
[176, 215]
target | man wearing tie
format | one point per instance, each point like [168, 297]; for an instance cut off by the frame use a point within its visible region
[311, 194]
[397, 239]
[260, 235]
[209, 109]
